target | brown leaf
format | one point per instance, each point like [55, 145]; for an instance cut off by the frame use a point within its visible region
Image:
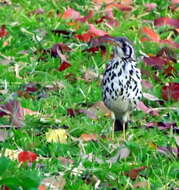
[134, 173]
[65, 161]
[54, 182]
[141, 184]
[100, 106]
[90, 76]
[15, 111]
[3, 135]
[88, 137]
[89, 113]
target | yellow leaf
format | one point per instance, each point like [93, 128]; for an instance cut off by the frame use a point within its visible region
[56, 135]
[12, 154]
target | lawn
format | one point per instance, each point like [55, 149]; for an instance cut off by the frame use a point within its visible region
[55, 132]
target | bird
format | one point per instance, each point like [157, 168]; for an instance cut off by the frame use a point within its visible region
[121, 83]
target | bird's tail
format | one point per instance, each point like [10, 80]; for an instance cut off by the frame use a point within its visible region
[118, 125]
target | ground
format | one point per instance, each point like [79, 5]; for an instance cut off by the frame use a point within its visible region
[51, 129]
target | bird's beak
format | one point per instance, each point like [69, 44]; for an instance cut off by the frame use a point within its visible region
[114, 41]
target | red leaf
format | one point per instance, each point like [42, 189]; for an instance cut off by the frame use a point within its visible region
[86, 37]
[64, 66]
[96, 32]
[157, 62]
[169, 71]
[71, 14]
[152, 35]
[72, 112]
[171, 91]
[4, 187]
[170, 42]
[166, 21]
[150, 6]
[27, 156]
[3, 31]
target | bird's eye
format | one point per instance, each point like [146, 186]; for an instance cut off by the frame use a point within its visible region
[127, 50]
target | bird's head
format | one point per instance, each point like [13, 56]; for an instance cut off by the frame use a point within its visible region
[122, 47]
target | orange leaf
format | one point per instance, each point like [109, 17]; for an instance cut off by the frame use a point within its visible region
[88, 137]
[42, 187]
[71, 14]
[152, 35]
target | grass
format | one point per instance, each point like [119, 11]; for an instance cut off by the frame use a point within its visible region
[161, 172]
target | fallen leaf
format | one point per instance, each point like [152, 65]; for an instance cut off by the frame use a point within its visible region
[151, 34]
[141, 184]
[161, 125]
[71, 14]
[169, 151]
[3, 31]
[122, 153]
[56, 135]
[59, 47]
[155, 61]
[65, 161]
[90, 76]
[96, 32]
[11, 154]
[54, 182]
[150, 97]
[85, 37]
[64, 65]
[3, 135]
[171, 91]
[145, 109]
[100, 106]
[166, 21]
[27, 156]
[134, 173]
[56, 85]
[42, 187]
[88, 113]
[169, 71]
[15, 111]
[88, 137]
[150, 6]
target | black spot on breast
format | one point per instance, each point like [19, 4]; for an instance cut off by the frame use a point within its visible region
[135, 87]
[131, 72]
[112, 86]
[107, 89]
[121, 92]
[113, 75]
[120, 72]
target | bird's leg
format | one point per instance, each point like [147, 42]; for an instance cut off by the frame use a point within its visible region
[124, 131]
